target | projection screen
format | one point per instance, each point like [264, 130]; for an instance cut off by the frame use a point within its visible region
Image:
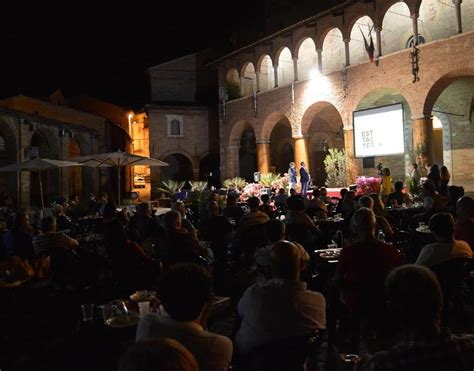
[378, 131]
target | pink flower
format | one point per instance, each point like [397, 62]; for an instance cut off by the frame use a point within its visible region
[367, 185]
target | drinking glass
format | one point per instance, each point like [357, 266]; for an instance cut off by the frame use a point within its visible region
[106, 311]
[143, 308]
[87, 312]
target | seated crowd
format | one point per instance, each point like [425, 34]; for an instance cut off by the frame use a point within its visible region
[281, 288]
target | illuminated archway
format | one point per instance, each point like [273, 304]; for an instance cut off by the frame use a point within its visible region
[249, 79]
[357, 51]
[233, 84]
[322, 126]
[307, 59]
[397, 28]
[286, 69]
[333, 54]
[266, 74]
[436, 20]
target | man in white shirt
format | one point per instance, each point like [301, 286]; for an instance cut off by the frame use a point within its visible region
[446, 247]
[282, 307]
[185, 292]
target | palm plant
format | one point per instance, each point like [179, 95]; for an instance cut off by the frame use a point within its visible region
[234, 183]
[268, 179]
[170, 187]
[198, 186]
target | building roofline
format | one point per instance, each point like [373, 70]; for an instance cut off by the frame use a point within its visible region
[47, 120]
[282, 31]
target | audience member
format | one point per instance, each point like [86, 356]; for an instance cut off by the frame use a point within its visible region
[280, 199]
[63, 222]
[218, 231]
[19, 239]
[282, 307]
[381, 223]
[163, 354]
[415, 302]
[444, 178]
[232, 211]
[274, 232]
[185, 222]
[434, 176]
[464, 227]
[51, 241]
[186, 295]
[362, 270]
[432, 202]
[253, 217]
[398, 197]
[446, 247]
[266, 207]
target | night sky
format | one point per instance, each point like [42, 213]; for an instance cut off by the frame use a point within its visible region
[83, 49]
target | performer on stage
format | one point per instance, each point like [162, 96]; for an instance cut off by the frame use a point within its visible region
[304, 179]
[292, 177]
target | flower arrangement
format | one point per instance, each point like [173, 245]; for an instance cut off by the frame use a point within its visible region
[367, 185]
[280, 182]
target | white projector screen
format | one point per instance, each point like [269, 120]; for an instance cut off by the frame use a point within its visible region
[379, 131]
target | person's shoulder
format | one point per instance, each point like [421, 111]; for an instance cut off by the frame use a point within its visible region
[382, 360]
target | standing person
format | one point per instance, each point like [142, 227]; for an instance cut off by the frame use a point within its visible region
[415, 173]
[386, 183]
[443, 181]
[304, 179]
[292, 177]
[434, 176]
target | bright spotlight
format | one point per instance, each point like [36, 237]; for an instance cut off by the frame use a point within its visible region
[314, 75]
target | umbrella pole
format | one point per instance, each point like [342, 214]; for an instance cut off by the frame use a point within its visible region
[41, 190]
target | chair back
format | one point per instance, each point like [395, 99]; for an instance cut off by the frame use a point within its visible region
[286, 354]
[451, 275]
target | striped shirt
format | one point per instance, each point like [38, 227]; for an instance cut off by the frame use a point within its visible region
[44, 244]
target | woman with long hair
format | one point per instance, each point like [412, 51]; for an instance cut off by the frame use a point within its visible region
[443, 181]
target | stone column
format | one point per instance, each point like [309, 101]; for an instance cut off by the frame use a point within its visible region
[301, 154]
[242, 86]
[295, 68]
[263, 156]
[352, 168]
[378, 37]
[414, 18]
[233, 160]
[195, 173]
[257, 77]
[275, 72]
[347, 52]
[320, 60]
[423, 139]
[457, 4]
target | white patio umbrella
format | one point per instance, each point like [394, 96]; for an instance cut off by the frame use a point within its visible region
[118, 159]
[38, 165]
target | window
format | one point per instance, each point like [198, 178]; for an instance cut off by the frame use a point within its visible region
[175, 125]
[421, 40]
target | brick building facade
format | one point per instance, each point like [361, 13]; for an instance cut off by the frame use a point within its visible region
[288, 113]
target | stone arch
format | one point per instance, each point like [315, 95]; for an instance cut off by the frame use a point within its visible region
[270, 122]
[397, 28]
[437, 88]
[285, 66]
[232, 81]
[249, 79]
[451, 99]
[436, 20]
[234, 150]
[362, 11]
[307, 58]
[266, 73]
[382, 96]
[357, 51]
[180, 166]
[333, 51]
[321, 125]
[8, 155]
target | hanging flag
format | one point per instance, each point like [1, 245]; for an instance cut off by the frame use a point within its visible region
[369, 46]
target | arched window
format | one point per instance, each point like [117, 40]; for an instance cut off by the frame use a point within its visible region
[175, 125]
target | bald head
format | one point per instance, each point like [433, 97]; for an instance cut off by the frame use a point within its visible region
[287, 260]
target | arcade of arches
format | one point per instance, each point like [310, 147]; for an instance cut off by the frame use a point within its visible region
[297, 114]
